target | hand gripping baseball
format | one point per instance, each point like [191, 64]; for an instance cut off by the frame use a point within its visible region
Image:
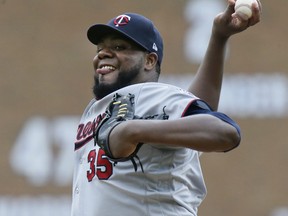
[120, 109]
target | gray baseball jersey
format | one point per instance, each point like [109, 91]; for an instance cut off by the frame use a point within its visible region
[159, 181]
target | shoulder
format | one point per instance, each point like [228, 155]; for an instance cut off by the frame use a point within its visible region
[157, 89]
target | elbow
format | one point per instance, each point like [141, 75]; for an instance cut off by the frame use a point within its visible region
[224, 139]
[233, 139]
[228, 134]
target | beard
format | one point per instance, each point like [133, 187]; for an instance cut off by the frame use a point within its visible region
[125, 78]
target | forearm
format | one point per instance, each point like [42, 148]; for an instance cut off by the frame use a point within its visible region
[208, 79]
[204, 133]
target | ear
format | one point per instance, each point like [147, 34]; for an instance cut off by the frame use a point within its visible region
[151, 61]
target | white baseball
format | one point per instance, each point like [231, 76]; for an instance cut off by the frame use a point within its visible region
[243, 8]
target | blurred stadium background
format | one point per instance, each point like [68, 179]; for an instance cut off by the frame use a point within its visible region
[46, 80]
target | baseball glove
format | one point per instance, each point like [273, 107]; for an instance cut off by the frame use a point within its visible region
[120, 109]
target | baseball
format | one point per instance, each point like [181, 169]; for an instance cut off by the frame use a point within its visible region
[243, 8]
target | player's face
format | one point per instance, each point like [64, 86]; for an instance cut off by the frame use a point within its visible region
[118, 63]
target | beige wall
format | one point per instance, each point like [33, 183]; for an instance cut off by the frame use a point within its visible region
[46, 70]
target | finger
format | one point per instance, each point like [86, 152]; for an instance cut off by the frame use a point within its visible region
[259, 5]
[231, 2]
[239, 23]
[229, 16]
[256, 13]
[230, 8]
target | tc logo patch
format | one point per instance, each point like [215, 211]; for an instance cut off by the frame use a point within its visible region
[122, 20]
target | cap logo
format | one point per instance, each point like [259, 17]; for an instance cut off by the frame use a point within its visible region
[121, 20]
[155, 47]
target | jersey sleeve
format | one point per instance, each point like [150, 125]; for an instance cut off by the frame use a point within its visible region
[159, 98]
[201, 107]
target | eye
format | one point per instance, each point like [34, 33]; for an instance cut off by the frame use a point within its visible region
[119, 47]
[99, 49]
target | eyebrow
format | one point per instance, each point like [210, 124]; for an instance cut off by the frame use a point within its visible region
[116, 36]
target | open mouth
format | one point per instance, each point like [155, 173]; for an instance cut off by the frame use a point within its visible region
[104, 69]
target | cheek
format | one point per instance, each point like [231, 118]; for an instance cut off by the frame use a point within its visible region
[95, 62]
[131, 62]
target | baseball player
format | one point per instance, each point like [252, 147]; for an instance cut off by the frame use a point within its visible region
[138, 141]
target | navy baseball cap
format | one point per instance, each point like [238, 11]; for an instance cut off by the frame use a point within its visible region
[135, 27]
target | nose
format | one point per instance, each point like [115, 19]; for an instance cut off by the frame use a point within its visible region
[104, 53]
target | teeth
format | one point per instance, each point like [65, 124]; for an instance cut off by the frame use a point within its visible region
[107, 67]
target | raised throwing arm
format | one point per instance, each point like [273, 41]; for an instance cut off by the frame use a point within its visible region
[208, 79]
